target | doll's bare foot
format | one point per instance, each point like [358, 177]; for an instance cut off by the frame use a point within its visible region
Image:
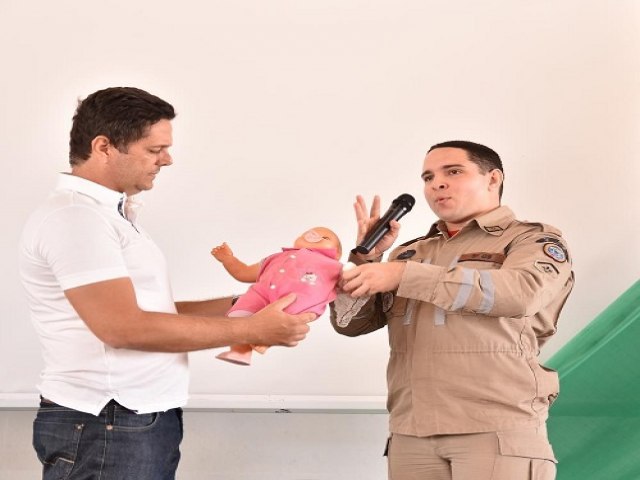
[238, 354]
[260, 348]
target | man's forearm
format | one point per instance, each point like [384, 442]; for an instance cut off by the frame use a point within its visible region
[213, 307]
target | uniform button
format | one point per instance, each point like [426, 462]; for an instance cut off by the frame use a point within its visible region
[282, 270]
[292, 256]
[272, 286]
[109, 427]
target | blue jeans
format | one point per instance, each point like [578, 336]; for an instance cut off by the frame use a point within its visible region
[118, 444]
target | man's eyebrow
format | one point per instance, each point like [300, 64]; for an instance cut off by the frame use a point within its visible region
[443, 167]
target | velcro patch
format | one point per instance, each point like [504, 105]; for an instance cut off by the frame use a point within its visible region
[483, 257]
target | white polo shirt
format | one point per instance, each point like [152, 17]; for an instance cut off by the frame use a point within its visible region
[77, 237]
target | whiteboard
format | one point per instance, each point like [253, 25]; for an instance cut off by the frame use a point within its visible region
[288, 109]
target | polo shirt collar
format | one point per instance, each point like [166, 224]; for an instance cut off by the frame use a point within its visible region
[100, 193]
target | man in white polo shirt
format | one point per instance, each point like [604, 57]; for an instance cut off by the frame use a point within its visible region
[113, 339]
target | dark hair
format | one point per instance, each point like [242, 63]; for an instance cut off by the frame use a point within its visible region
[122, 114]
[486, 158]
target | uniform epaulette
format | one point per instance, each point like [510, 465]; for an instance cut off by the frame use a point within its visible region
[433, 232]
[544, 227]
[406, 244]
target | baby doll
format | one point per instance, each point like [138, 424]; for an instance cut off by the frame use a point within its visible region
[311, 269]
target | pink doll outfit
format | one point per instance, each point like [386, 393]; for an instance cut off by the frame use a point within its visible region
[311, 274]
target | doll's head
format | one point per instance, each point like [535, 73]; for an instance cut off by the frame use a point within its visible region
[319, 237]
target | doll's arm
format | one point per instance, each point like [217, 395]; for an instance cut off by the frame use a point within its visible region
[237, 269]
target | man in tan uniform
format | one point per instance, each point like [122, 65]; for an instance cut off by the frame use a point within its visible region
[468, 307]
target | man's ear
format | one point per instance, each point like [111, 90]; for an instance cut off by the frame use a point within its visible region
[496, 177]
[100, 146]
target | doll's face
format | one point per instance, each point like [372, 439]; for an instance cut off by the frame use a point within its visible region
[319, 237]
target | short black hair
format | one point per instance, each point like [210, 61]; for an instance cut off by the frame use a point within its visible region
[486, 158]
[122, 114]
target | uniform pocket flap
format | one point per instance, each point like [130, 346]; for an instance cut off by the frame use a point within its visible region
[528, 444]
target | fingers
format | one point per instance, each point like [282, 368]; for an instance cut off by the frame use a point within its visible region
[366, 218]
[309, 317]
[298, 331]
[221, 251]
[375, 207]
[350, 273]
[284, 302]
[369, 279]
[352, 280]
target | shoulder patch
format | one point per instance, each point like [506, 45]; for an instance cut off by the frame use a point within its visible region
[557, 242]
[554, 251]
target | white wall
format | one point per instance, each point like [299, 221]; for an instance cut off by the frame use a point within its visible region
[287, 109]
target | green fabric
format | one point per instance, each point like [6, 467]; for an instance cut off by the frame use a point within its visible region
[594, 425]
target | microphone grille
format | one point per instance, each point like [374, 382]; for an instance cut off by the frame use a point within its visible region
[407, 200]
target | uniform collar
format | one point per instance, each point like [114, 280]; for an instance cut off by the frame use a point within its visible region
[494, 222]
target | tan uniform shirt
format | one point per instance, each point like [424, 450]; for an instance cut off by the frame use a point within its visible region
[466, 324]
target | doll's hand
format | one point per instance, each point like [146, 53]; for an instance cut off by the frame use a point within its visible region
[222, 252]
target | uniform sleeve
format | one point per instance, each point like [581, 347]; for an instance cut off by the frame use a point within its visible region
[357, 316]
[535, 274]
[80, 247]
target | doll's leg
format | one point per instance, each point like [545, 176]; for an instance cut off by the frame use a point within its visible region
[239, 354]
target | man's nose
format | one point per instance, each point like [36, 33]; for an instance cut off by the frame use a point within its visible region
[438, 184]
[166, 159]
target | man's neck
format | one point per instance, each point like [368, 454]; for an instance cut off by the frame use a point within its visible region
[457, 226]
[93, 175]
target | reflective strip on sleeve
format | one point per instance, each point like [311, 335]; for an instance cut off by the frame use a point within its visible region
[488, 292]
[439, 315]
[411, 306]
[464, 291]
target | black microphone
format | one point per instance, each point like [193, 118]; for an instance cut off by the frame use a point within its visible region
[398, 209]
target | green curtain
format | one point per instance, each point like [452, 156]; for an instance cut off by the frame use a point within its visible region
[594, 425]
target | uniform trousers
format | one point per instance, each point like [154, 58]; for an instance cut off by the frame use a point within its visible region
[118, 444]
[473, 456]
